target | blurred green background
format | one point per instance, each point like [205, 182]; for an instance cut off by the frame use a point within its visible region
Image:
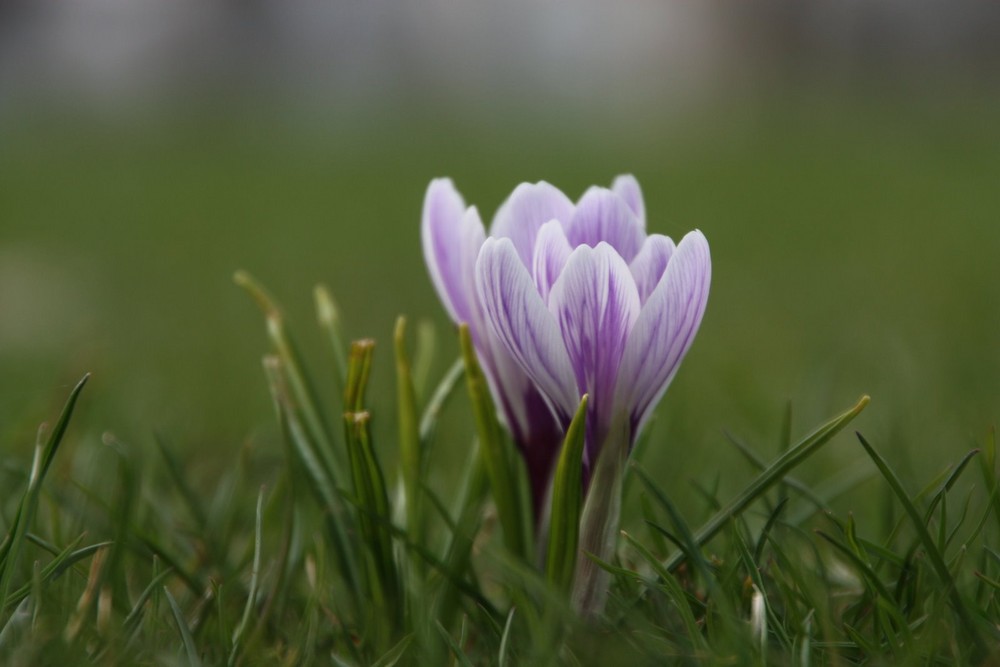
[843, 161]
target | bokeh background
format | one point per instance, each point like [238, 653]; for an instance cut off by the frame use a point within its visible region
[843, 158]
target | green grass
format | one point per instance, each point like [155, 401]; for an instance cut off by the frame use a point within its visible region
[854, 245]
[368, 570]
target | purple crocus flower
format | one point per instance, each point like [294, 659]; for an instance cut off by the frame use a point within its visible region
[564, 299]
[452, 238]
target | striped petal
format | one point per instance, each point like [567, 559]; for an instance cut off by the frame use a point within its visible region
[648, 266]
[601, 215]
[452, 236]
[665, 329]
[596, 303]
[529, 207]
[516, 315]
[551, 252]
[626, 187]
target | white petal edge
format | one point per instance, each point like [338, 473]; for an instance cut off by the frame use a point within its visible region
[648, 266]
[524, 212]
[665, 329]
[626, 187]
[518, 318]
[601, 215]
[451, 244]
[595, 303]
[551, 252]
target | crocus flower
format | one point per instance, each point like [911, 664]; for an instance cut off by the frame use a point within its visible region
[452, 238]
[565, 299]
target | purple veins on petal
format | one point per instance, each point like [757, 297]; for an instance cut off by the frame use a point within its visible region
[452, 236]
[529, 207]
[551, 252]
[626, 187]
[665, 327]
[565, 299]
[601, 215]
[648, 266]
[517, 316]
[595, 303]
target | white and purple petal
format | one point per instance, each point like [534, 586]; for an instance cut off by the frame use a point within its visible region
[452, 236]
[595, 303]
[552, 249]
[648, 266]
[626, 187]
[529, 207]
[516, 315]
[665, 328]
[601, 215]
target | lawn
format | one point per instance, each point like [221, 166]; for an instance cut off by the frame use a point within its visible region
[853, 242]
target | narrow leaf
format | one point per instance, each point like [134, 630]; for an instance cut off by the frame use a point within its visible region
[937, 560]
[775, 472]
[567, 502]
[410, 454]
[185, 631]
[493, 447]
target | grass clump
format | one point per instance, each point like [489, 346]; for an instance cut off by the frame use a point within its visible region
[326, 555]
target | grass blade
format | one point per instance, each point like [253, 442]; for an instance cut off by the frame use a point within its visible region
[453, 645]
[441, 394]
[185, 630]
[10, 552]
[301, 391]
[493, 446]
[329, 321]
[254, 577]
[937, 560]
[393, 655]
[776, 471]
[505, 639]
[410, 451]
[567, 502]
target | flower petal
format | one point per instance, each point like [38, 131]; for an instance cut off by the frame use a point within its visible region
[601, 215]
[596, 303]
[626, 187]
[529, 207]
[551, 252]
[665, 328]
[451, 238]
[649, 265]
[516, 315]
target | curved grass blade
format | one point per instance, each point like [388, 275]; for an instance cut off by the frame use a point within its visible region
[669, 586]
[453, 645]
[506, 492]
[137, 609]
[393, 655]
[301, 391]
[328, 317]
[185, 631]
[67, 558]
[937, 560]
[758, 550]
[410, 450]
[444, 391]
[776, 471]
[10, 552]
[567, 502]
[505, 639]
[323, 486]
[254, 577]
[881, 591]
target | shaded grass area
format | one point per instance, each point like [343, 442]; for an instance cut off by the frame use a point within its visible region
[324, 566]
